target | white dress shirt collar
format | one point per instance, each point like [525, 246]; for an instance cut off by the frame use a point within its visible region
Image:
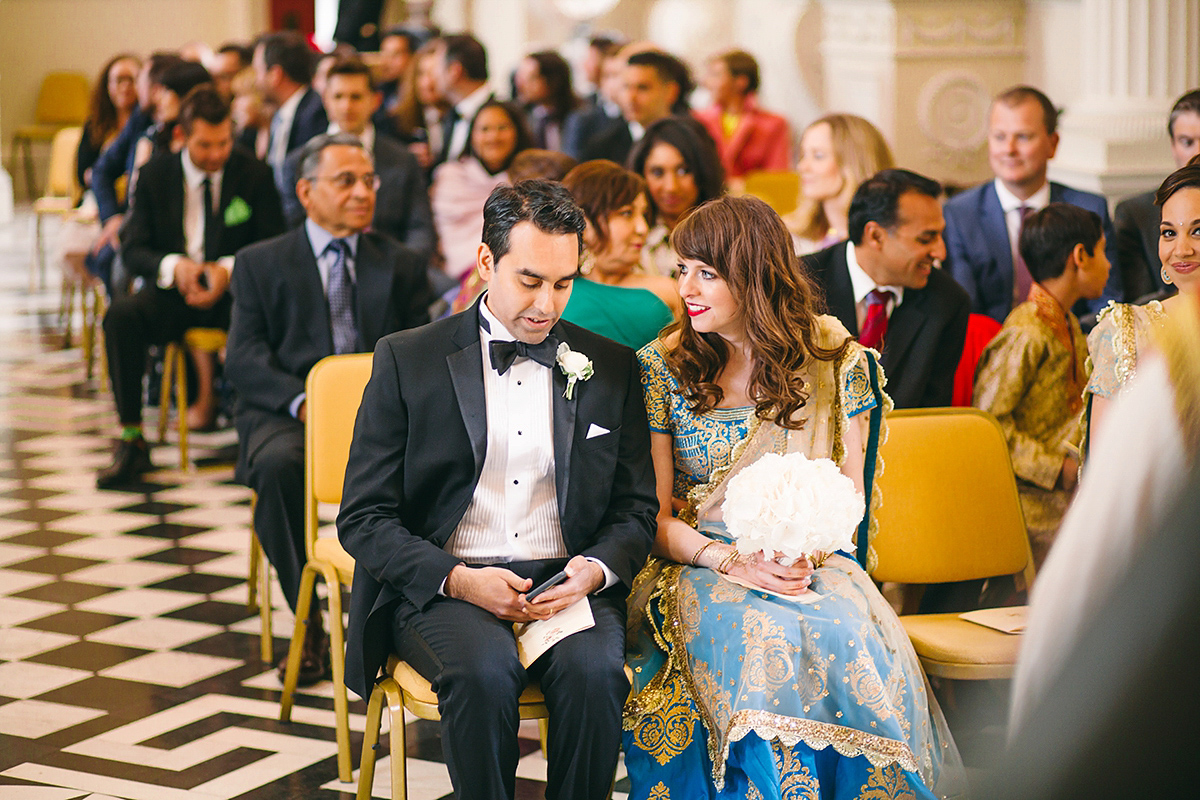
[193, 177]
[367, 137]
[862, 283]
[1010, 202]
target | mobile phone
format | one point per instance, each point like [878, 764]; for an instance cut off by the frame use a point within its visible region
[202, 280]
[554, 581]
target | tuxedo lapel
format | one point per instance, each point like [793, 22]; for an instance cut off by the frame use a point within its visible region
[564, 428]
[309, 300]
[466, 374]
[175, 201]
[841, 290]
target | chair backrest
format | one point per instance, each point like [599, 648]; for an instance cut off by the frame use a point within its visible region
[950, 507]
[777, 188]
[63, 150]
[63, 99]
[334, 391]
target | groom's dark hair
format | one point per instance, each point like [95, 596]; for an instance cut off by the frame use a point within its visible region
[546, 204]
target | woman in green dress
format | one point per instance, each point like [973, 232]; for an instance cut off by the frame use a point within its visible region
[611, 299]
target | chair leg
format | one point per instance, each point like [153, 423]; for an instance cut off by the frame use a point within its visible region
[544, 735]
[266, 634]
[252, 573]
[397, 738]
[37, 273]
[181, 405]
[308, 579]
[337, 653]
[101, 306]
[66, 312]
[30, 179]
[164, 390]
[366, 769]
[87, 333]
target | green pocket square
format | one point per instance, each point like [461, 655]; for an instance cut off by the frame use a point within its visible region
[236, 212]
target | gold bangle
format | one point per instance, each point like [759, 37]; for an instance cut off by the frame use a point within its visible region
[727, 562]
[696, 556]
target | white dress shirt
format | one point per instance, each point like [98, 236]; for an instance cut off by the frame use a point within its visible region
[1012, 210]
[367, 137]
[193, 220]
[863, 285]
[513, 515]
[281, 129]
[466, 110]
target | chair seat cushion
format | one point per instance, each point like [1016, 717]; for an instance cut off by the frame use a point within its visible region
[330, 550]
[419, 689]
[950, 640]
[53, 205]
[37, 132]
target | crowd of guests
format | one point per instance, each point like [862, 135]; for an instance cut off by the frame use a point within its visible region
[312, 204]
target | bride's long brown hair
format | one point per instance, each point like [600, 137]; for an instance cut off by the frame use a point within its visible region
[747, 244]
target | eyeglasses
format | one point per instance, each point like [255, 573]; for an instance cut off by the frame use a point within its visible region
[345, 181]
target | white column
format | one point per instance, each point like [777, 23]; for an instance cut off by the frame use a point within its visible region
[1138, 57]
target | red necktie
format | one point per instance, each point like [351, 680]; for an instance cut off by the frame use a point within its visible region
[1022, 279]
[874, 327]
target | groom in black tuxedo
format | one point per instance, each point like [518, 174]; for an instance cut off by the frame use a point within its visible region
[472, 477]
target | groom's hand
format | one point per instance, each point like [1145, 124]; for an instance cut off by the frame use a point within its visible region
[494, 589]
[583, 578]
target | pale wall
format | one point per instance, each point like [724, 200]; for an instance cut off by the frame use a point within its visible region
[40, 36]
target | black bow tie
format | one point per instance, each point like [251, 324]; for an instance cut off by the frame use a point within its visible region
[505, 353]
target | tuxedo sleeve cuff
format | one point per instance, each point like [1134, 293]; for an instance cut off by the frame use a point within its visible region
[166, 270]
[294, 406]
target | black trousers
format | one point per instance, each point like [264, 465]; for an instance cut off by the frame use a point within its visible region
[153, 316]
[274, 459]
[470, 658]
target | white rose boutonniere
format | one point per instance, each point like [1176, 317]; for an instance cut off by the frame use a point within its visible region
[576, 366]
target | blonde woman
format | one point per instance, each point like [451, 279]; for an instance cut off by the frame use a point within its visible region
[837, 153]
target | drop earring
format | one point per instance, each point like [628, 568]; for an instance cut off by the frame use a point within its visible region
[1166, 277]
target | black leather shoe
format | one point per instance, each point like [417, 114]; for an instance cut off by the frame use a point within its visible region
[131, 458]
[314, 660]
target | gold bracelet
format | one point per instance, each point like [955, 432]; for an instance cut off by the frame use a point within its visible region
[696, 556]
[727, 562]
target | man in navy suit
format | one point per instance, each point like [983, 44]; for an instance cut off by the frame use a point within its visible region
[984, 223]
[283, 67]
[402, 208]
[285, 319]
[477, 470]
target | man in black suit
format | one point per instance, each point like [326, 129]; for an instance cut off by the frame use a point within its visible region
[462, 76]
[885, 286]
[402, 208]
[656, 85]
[478, 469]
[286, 318]
[283, 67]
[191, 212]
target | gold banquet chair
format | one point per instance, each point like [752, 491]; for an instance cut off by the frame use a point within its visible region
[334, 391]
[951, 513]
[202, 340]
[62, 101]
[62, 193]
[778, 188]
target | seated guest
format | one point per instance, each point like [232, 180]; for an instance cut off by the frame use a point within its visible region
[754, 369]
[603, 106]
[283, 65]
[1142, 456]
[327, 287]
[983, 224]
[251, 115]
[545, 91]
[656, 85]
[229, 59]
[837, 153]
[402, 200]
[114, 100]
[1124, 332]
[885, 287]
[113, 168]
[459, 66]
[460, 187]
[1031, 376]
[1136, 218]
[679, 162]
[325, 61]
[417, 117]
[747, 137]
[611, 299]
[474, 474]
[163, 136]
[192, 211]
[397, 46]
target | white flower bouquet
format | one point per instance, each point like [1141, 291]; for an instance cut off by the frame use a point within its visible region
[790, 506]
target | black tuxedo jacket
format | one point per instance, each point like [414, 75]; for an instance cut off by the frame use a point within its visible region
[310, 119]
[281, 326]
[614, 143]
[418, 450]
[402, 208]
[154, 227]
[925, 333]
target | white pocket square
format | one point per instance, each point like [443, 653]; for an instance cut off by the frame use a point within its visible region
[595, 430]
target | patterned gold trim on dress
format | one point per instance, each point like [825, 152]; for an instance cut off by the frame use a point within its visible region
[848, 742]
[1179, 339]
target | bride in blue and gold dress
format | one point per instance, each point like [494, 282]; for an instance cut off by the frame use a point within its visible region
[741, 693]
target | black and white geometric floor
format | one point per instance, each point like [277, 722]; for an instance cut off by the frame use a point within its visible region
[129, 661]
